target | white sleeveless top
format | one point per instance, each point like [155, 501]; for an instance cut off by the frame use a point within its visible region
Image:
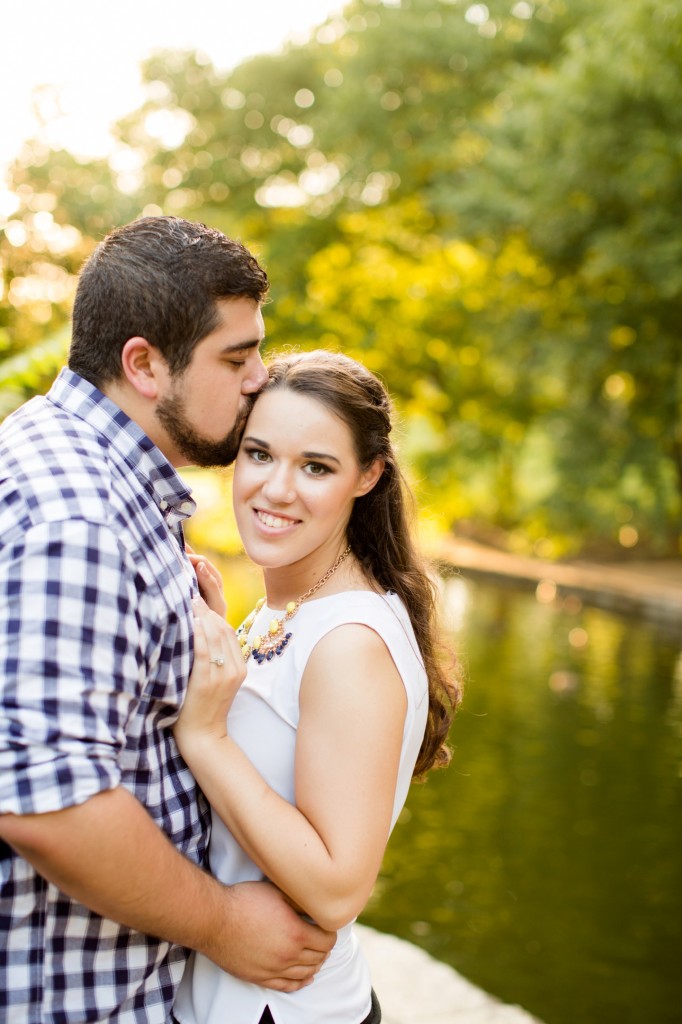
[263, 722]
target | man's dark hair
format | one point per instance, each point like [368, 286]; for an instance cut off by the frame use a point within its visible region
[158, 278]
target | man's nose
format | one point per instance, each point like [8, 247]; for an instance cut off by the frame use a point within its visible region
[256, 377]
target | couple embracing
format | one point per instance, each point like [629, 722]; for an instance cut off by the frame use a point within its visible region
[191, 818]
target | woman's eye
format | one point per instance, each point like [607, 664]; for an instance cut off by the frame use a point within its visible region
[317, 469]
[257, 455]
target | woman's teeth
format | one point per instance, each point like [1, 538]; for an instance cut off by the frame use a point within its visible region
[273, 521]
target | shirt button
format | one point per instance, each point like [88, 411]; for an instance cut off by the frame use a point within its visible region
[163, 504]
[187, 507]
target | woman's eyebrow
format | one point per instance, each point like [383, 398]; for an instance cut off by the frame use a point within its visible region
[320, 455]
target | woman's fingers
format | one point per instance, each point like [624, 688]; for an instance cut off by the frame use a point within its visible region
[210, 585]
[200, 562]
[210, 581]
[217, 674]
[218, 670]
[220, 639]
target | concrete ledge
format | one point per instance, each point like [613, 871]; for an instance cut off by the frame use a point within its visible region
[414, 988]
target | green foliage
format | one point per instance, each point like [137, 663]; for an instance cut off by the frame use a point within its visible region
[587, 163]
[31, 372]
[477, 200]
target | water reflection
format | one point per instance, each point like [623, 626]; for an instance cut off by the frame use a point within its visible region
[545, 863]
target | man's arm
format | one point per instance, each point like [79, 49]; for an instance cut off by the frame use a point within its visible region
[108, 854]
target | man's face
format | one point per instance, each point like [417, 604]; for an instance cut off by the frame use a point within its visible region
[204, 408]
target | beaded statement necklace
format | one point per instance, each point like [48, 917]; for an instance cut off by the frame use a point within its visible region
[264, 648]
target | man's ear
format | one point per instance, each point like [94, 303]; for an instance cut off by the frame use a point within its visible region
[143, 366]
[370, 477]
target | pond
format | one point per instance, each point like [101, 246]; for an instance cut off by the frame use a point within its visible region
[545, 864]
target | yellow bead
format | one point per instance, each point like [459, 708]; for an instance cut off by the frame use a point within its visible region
[259, 603]
[274, 626]
[244, 641]
[246, 652]
[291, 607]
[256, 642]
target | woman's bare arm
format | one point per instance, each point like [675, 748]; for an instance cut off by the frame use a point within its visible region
[326, 851]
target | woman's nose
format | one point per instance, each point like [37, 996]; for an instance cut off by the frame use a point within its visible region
[277, 488]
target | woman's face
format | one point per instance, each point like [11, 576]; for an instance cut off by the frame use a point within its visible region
[295, 480]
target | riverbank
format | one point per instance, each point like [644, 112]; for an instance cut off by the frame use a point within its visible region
[414, 988]
[649, 589]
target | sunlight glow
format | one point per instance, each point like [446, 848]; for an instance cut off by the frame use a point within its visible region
[68, 84]
[169, 127]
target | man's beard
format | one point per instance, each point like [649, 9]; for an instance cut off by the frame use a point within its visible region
[198, 450]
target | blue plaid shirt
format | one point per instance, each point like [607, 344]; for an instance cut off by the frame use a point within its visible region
[95, 652]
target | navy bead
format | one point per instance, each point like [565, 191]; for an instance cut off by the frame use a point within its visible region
[260, 656]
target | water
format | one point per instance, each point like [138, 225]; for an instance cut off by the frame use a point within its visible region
[546, 863]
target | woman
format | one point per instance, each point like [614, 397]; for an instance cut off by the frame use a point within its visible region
[345, 698]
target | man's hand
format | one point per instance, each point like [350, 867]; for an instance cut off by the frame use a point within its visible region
[109, 855]
[266, 942]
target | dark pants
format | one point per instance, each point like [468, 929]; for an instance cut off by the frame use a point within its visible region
[373, 1017]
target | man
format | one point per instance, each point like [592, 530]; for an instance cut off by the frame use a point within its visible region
[101, 825]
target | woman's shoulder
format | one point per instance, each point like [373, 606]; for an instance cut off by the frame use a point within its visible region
[383, 613]
[356, 606]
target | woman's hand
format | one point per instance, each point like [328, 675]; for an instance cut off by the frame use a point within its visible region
[210, 582]
[217, 674]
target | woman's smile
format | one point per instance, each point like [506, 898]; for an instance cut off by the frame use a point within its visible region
[274, 520]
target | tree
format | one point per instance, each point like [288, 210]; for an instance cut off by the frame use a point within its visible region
[477, 200]
[585, 164]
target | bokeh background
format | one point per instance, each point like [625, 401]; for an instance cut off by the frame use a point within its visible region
[482, 202]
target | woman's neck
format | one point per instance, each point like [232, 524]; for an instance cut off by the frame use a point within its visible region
[291, 582]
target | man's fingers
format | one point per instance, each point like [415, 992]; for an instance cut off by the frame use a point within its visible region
[298, 975]
[289, 983]
[287, 986]
[312, 958]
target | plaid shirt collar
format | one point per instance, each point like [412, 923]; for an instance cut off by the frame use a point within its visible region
[79, 398]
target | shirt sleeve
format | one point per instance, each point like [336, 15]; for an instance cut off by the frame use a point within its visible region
[71, 664]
